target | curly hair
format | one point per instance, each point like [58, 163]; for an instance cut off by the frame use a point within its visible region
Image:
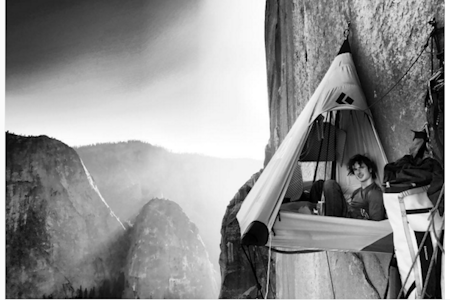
[359, 158]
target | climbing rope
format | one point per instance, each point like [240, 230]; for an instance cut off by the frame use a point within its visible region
[331, 277]
[265, 269]
[407, 71]
[258, 285]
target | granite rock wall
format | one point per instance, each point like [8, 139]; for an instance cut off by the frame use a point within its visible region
[167, 258]
[386, 37]
[58, 228]
[302, 37]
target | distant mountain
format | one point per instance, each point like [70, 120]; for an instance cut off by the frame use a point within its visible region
[64, 241]
[59, 230]
[167, 258]
[128, 174]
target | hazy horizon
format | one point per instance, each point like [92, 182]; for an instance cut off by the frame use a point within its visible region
[188, 76]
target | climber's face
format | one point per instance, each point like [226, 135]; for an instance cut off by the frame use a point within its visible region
[362, 172]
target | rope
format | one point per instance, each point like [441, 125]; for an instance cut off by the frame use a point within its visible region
[268, 267]
[433, 259]
[407, 71]
[265, 268]
[432, 214]
[331, 277]
[436, 207]
[407, 229]
[438, 240]
[253, 269]
[431, 56]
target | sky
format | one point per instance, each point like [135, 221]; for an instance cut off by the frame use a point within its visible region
[187, 75]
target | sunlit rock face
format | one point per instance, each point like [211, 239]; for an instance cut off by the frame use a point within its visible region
[167, 258]
[58, 229]
[128, 174]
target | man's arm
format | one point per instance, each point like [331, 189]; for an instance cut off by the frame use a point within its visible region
[376, 206]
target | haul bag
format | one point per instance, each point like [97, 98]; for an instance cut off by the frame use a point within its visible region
[409, 213]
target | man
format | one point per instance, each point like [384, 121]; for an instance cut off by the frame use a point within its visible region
[366, 202]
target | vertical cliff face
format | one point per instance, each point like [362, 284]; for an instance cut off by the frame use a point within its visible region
[244, 274]
[128, 174]
[302, 38]
[58, 227]
[167, 258]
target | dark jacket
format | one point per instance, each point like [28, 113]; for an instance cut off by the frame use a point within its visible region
[419, 172]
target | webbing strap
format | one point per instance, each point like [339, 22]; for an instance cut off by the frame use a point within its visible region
[414, 191]
[318, 160]
[418, 211]
[328, 145]
[409, 241]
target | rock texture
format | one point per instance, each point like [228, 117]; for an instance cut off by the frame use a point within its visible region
[332, 275]
[239, 268]
[167, 258]
[302, 38]
[58, 228]
[128, 174]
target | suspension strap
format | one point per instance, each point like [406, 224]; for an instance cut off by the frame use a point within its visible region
[328, 145]
[318, 160]
[334, 163]
[327, 119]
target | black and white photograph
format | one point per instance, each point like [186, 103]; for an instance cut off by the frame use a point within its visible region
[224, 149]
